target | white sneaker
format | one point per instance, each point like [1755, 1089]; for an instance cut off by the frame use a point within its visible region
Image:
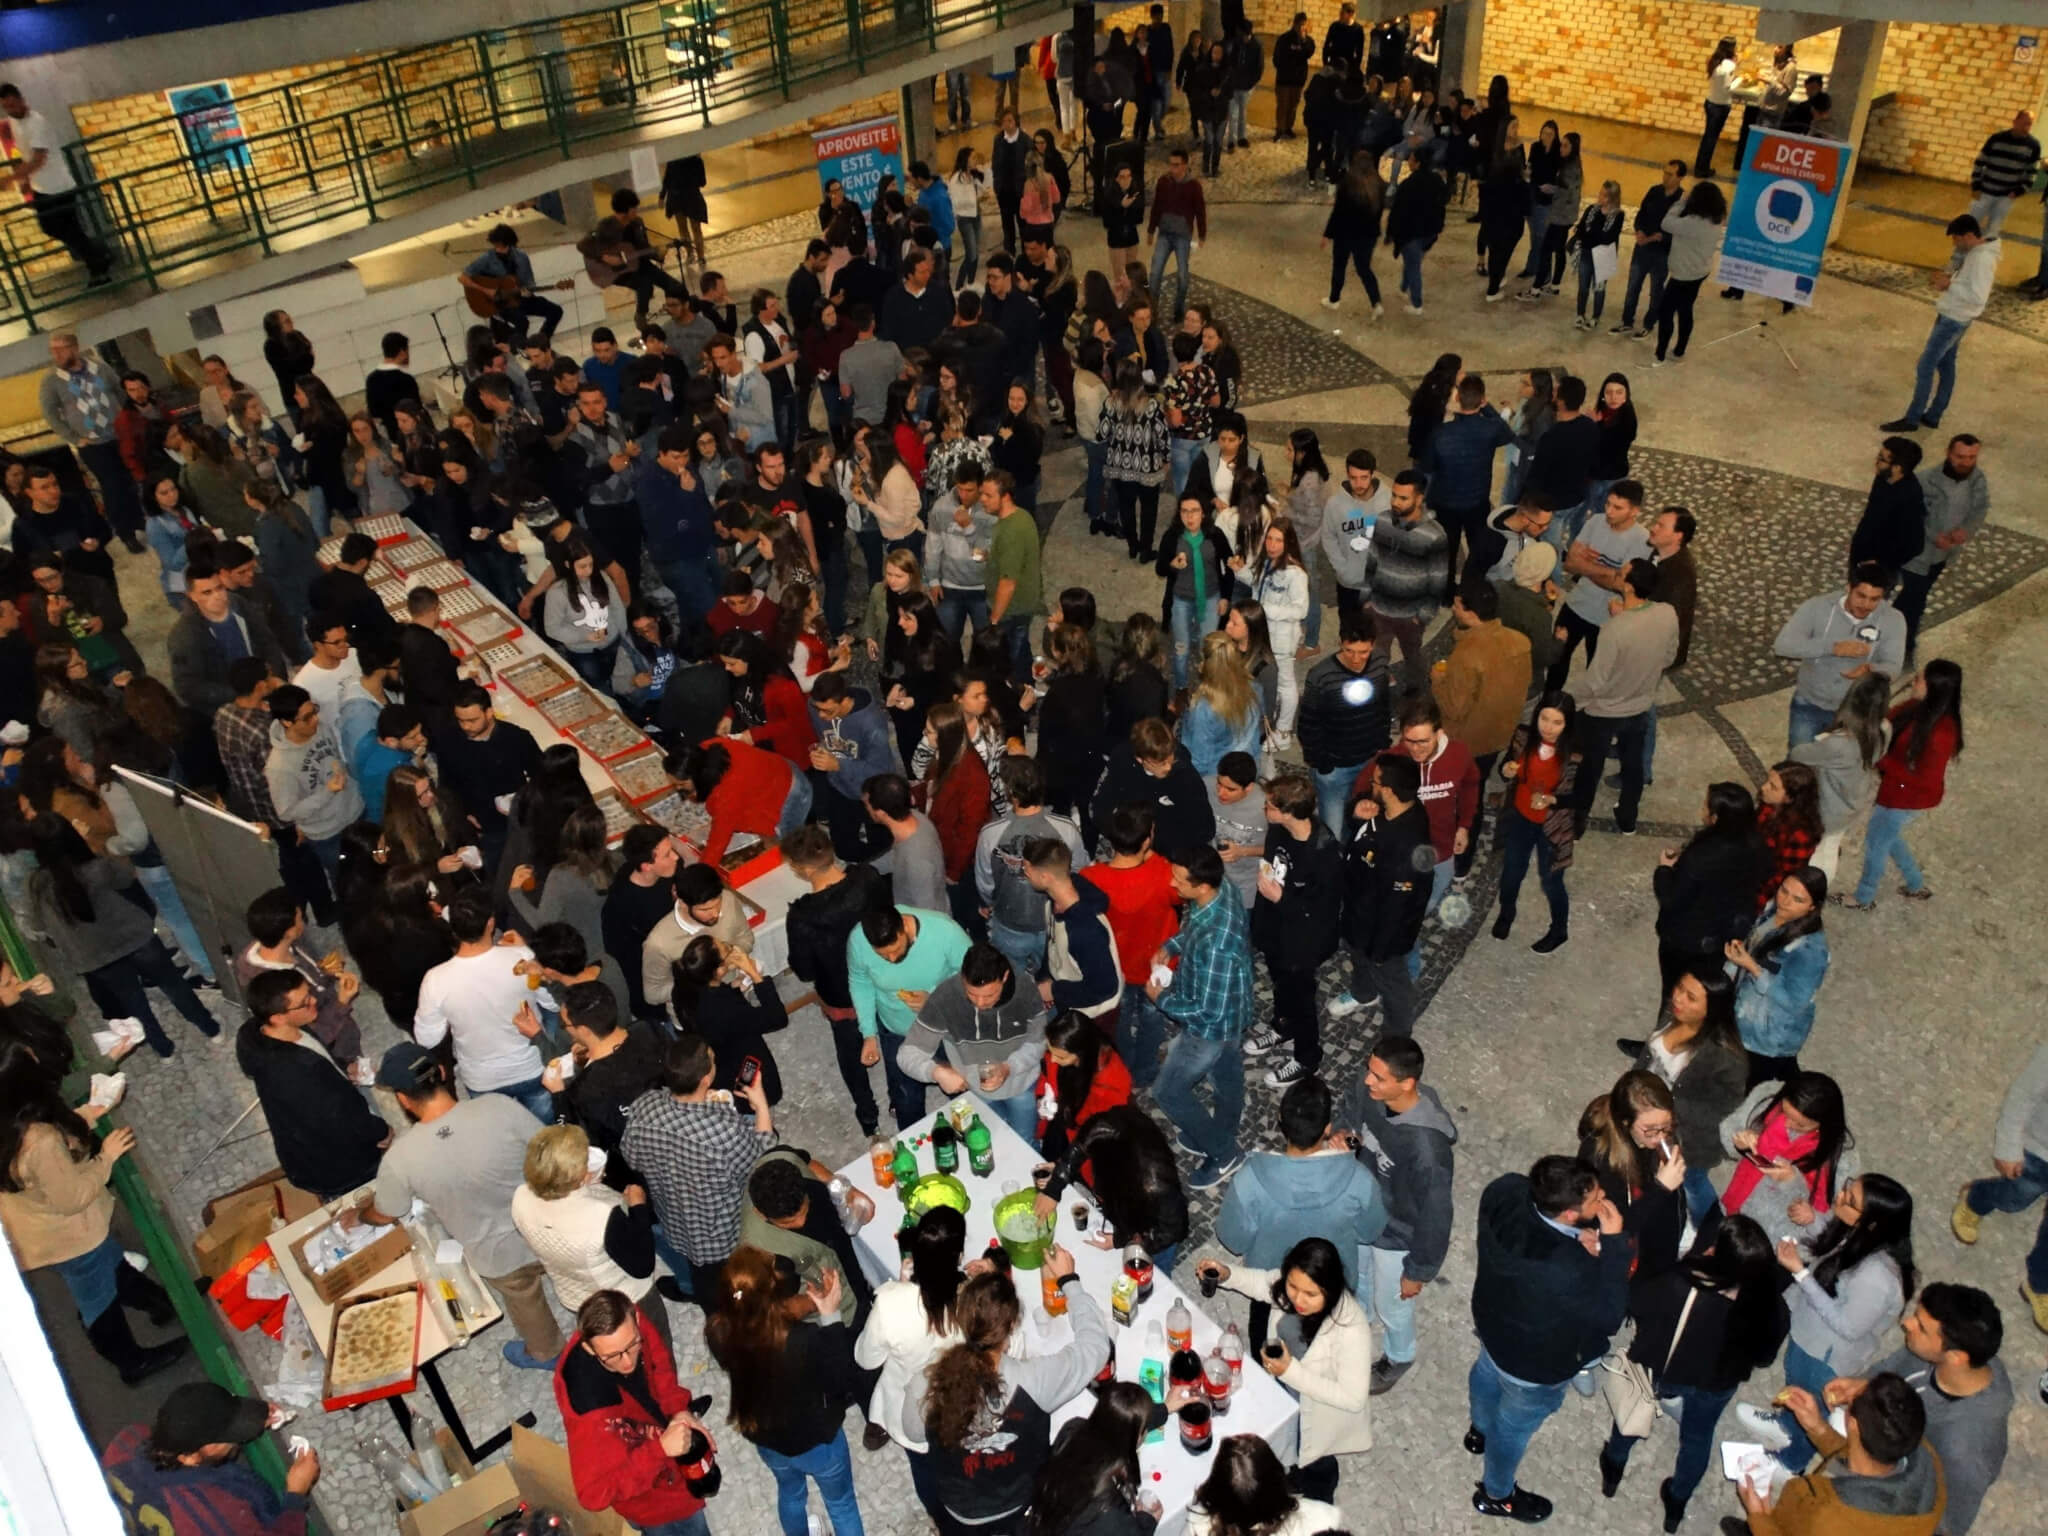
[1414, 309]
[1329, 303]
[1343, 1005]
[1495, 298]
[1288, 1072]
[1377, 311]
[1763, 1426]
[1282, 741]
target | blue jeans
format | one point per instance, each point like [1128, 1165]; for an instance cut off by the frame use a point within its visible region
[696, 589]
[1520, 838]
[1095, 498]
[538, 1101]
[1016, 633]
[1987, 1195]
[1023, 948]
[1188, 1062]
[1019, 1112]
[796, 805]
[1188, 628]
[1710, 136]
[970, 249]
[1333, 794]
[1884, 837]
[1650, 746]
[1234, 131]
[1180, 247]
[1699, 1194]
[1140, 1031]
[1411, 270]
[1934, 376]
[960, 607]
[1699, 1410]
[163, 890]
[1539, 221]
[1805, 721]
[1379, 1290]
[1439, 887]
[906, 1093]
[1312, 621]
[959, 98]
[1508, 1411]
[869, 538]
[831, 1467]
[1184, 451]
[1647, 264]
[1801, 1370]
[92, 1278]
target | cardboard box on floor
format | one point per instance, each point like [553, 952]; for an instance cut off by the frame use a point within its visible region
[239, 1219]
[535, 1471]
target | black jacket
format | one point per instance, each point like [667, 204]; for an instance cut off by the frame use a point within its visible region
[199, 667]
[1215, 552]
[428, 673]
[1417, 209]
[1388, 864]
[1017, 318]
[1179, 802]
[1542, 1305]
[1709, 896]
[1006, 166]
[1247, 64]
[1720, 1346]
[915, 319]
[975, 353]
[815, 1380]
[328, 1138]
[347, 595]
[1208, 91]
[1710, 1087]
[820, 924]
[1132, 1171]
[480, 771]
[1139, 693]
[1893, 528]
[1345, 717]
[1291, 53]
[1299, 931]
[696, 699]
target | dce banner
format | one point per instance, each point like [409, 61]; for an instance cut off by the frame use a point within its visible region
[1784, 206]
[858, 156]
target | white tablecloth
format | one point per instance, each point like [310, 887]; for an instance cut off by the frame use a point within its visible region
[1260, 1406]
[772, 892]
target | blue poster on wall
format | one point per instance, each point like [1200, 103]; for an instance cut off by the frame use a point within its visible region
[212, 126]
[1783, 209]
[858, 156]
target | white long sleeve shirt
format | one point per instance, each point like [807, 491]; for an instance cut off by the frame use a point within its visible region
[1969, 288]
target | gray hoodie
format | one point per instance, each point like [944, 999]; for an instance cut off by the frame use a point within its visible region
[1909, 1489]
[1277, 1200]
[1809, 638]
[951, 551]
[2023, 1120]
[297, 773]
[970, 1038]
[1410, 1154]
[1967, 1433]
[1848, 787]
[1348, 521]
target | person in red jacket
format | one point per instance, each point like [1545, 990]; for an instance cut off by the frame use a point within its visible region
[1450, 794]
[636, 1443]
[1927, 733]
[768, 705]
[1082, 1075]
[955, 794]
[744, 788]
[1143, 910]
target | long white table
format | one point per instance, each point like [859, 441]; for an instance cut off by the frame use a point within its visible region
[1259, 1406]
[772, 892]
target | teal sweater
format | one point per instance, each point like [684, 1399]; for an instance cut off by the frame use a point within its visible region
[934, 954]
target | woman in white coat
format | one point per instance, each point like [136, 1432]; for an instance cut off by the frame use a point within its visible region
[909, 1323]
[1280, 586]
[1321, 1351]
[588, 1238]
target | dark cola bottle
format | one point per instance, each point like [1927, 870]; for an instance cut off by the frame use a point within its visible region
[701, 1472]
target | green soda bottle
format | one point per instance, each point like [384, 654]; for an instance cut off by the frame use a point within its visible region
[981, 1152]
[945, 1148]
[905, 1165]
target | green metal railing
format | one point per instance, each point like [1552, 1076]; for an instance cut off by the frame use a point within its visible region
[365, 143]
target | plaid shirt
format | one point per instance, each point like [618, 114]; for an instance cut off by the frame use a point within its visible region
[243, 737]
[1211, 995]
[1791, 849]
[694, 1159]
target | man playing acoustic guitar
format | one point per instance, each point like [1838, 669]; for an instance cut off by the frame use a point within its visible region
[501, 288]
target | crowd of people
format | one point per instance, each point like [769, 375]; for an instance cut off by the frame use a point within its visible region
[1047, 851]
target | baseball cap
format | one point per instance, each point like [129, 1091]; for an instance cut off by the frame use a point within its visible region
[200, 1414]
[406, 1068]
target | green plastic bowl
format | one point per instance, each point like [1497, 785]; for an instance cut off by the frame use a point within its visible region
[937, 1189]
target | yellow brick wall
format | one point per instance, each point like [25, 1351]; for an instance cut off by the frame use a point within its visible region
[1644, 61]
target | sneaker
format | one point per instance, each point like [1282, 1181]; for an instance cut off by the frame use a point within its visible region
[516, 1356]
[1967, 1225]
[1288, 1073]
[1550, 290]
[1623, 329]
[1528, 295]
[1529, 1508]
[1414, 309]
[1496, 296]
[1551, 942]
[1260, 1039]
[1660, 362]
[1581, 323]
[1640, 332]
[1386, 1373]
[1377, 311]
[1583, 1383]
[1763, 1426]
[1343, 1005]
[2038, 1302]
[1329, 303]
[1902, 424]
[1180, 1140]
[1209, 1175]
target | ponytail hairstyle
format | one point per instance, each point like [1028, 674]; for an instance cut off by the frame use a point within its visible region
[963, 1379]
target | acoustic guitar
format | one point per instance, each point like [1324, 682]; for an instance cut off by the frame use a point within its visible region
[494, 298]
[604, 274]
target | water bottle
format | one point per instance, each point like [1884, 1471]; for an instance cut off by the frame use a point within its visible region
[427, 1451]
[849, 1218]
[405, 1480]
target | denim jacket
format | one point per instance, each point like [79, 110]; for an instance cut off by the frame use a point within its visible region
[1209, 738]
[1774, 1011]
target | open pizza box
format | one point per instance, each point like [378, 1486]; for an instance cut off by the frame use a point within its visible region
[373, 1347]
[535, 1472]
[335, 1282]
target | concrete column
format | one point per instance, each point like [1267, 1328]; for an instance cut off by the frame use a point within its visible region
[918, 116]
[579, 205]
[1852, 85]
[1460, 37]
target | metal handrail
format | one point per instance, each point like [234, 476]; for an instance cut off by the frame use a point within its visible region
[314, 162]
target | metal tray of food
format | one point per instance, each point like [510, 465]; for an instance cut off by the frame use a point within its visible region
[619, 816]
[641, 775]
[570, 708]
[612, 736]
[409, 554]
[537, 678]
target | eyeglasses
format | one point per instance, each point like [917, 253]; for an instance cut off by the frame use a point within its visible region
[613, 1357]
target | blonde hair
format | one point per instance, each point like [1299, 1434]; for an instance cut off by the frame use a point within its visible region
[1222, 679]
[903, 560]
[557, 1161]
